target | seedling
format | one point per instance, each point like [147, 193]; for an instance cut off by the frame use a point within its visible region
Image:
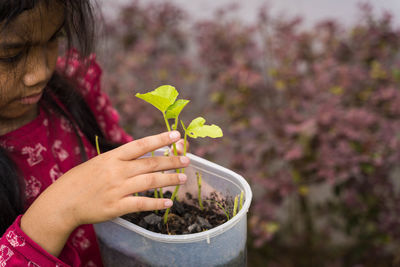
[156, 196]
[97, 145]
[238, 204]
[225, 211]
[164, 98]
[196, 129]
[235, 206]
[198, 175]
[241, 200]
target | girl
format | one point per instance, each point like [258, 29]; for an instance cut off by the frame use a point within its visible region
[52, 184]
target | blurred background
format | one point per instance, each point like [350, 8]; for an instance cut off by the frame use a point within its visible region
[308, 95]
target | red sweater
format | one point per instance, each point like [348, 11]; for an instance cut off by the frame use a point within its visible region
[43, 150]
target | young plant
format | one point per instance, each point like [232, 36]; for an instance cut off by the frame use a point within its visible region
[195, 129]
[241, 200]
[225, 211]
[237, 204]
[164, 99]
[198, 175]
[97, 145]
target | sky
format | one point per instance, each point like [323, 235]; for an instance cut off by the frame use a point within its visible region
[312, 11]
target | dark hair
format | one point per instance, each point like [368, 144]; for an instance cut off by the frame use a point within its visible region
[80, 33]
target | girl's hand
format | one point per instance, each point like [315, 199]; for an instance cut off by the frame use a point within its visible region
[102, 188]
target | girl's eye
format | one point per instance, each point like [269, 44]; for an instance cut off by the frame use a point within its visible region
[59, 34]
[15, 58]
[12, 59]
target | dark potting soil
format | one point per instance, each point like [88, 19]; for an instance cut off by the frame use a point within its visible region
[184, 218]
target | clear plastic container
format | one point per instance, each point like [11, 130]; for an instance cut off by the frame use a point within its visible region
[125, 244]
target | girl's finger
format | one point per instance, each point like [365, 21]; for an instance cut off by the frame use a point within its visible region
[135, 204]
[180, 146]
[155, 164]
[152, 180]
[138, 148]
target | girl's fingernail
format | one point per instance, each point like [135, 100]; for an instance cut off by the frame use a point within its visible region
[174, 135]
[182, 178]
[168, 203]
[184, 160]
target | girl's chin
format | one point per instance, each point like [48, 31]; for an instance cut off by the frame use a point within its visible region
[19, 115]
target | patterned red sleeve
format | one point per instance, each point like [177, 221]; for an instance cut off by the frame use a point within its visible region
[17, 249]
[87, 74]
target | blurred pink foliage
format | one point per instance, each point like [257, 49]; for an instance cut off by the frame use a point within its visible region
[299, 108]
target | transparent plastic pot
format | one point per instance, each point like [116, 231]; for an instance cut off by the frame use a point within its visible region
[123, 243]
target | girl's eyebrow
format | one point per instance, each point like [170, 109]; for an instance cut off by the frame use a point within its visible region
[17, 45]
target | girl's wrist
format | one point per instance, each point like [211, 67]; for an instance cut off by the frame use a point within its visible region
[48, 228]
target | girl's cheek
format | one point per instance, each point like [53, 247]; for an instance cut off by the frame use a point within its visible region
[7, 84]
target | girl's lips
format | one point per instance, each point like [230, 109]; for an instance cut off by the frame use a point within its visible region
[29, 100]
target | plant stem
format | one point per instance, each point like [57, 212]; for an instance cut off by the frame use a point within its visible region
[156, 190]
[177, 187]
[172, 198]
[221, 207]
[241, 200]
[185, 144]
[166, 122]
[161, 193]
[169, 129]
[97, 145]
[235, 206]
[199, 191]
[156, 196]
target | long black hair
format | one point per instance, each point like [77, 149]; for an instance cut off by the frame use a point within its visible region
[80, 32]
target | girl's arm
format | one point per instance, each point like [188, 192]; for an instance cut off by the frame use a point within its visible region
[18, 249]
[101, 189]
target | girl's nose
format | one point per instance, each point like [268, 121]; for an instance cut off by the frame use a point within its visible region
[37, 70]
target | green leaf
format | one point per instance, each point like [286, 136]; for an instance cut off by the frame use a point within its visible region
[162, 97]
[197, 129]
[175, 109]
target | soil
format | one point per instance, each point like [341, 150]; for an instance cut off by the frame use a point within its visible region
[184, 217]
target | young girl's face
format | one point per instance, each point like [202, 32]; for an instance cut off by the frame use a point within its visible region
[28, 54]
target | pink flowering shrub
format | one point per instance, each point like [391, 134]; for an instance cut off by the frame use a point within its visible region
[149, 48]
[311, 118]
